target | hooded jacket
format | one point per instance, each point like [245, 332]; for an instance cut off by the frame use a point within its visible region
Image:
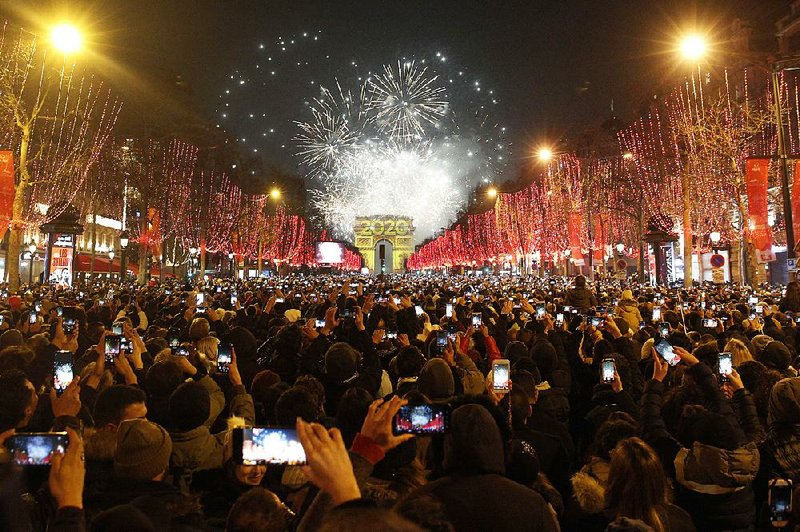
[628, 309]
[475, 494]
[713, 484]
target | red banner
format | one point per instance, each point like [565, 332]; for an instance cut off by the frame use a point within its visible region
[575, 224]
[600, 238]
[757, 180]
[6, 189]
[796, 200]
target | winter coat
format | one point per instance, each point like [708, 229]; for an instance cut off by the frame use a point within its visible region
[582, 298]
[199, 449]
[628, 309]
[712, 484]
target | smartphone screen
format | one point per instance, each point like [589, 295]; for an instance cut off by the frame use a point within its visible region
[62, 371]
[665, 351]
[656, 313]
[709, 323]
[36, 449]
[663, 329]
[448, 310]
[59, 311]
[116, 328]
[500, 375]
[234, 300]
[560, 318]
[608, 370]
[780, 501]
[595, 321]
[477, 320]
[32, 318]
[68, 326]
[319, 324]
[421, 419]
[224, 358]
[112, 348]
[540, 310]
[262, 445]
[441, 340]
[418, 310]
[173, 341]
[725, 363]
[391, 335]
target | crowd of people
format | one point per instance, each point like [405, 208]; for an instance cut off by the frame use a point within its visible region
[627, 407]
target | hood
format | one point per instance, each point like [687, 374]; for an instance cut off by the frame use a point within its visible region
[715, 471]
[474, 444]
[627, 295]
[784, 403]
[589, 492]
[436, 380]
[243, 342]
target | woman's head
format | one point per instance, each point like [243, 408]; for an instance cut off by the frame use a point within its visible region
[250, 475]
[741, 353]
[637, 486]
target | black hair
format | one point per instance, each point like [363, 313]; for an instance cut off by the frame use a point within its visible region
[112, 401]
[15, 396]
[293, 403]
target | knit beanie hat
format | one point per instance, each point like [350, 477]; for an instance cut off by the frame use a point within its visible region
[436, 380]
[11, 337]
[775, 355]
[143, 449]
[759, 342]
[784, 408]
[189, 406]
[341, 362]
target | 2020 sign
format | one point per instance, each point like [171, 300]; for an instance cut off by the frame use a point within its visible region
[383, 227]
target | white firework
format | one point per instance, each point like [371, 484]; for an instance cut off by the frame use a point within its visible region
[407, 100]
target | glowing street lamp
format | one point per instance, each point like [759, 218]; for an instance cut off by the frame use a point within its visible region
[491, 193]
[66, 38]
[693, 47]
[275, 193]
[620, 248]
[544, 154]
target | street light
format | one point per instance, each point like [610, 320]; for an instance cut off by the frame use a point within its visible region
[275, 193]
[66, 38]
[620, 248]
[124, 240]
[544, 154]
[491, 192]
[693, 47]
[111, 254]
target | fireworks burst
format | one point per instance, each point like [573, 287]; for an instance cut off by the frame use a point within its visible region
[406, 100]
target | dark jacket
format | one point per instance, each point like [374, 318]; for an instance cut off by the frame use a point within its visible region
[712, 484]
[581, 297]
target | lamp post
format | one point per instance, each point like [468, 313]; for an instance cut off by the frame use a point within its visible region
[111, 256]
[124, 240]
[620, 248]
[192, 258]
[715, 237]
[29, 255]
[231, 257]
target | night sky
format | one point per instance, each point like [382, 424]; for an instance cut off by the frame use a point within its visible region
[555, 66]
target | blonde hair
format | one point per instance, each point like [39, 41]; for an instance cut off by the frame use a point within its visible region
[739, 350]
[207, 352]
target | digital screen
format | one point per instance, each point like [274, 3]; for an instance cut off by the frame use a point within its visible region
[112, 348]
[725, 363]
[224, 357]
[421, 419]
[477, 320]
[36, 449]
[608, 370]
[780, 501]
[329, 253]
[500, 375]
[62, 371]
[262, 445]
[665, 351]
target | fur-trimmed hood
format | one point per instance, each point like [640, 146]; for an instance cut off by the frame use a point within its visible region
[589, 486]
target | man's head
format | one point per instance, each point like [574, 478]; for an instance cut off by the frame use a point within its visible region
[199, 328]
[341, 362]
[143, 450]
[410, 361]
[296, 402]
[118, 403]
[257, 510]
[18, 399]
[189, 406]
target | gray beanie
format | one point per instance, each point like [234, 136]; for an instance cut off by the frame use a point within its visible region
[143, 449]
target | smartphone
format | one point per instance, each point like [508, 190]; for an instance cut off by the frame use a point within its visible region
[234, 300]
[319, 324]
[62, 371]
[346, 313]
[663, 329]
[596, 321]
[758, 309]
[199, 299]
[267, 445]
[441, 340]
[752, 300]
[279, 300]
[68, 326]
[36, 448]
[32, 317]
[709, 323]
[38, 306]
[224, 357]
[559, 318]
[418, 310]
[608, 370]
[567, 308]
[112, 348]
[391, 335]
[540, 310]
[501, 371]
[219, 289]
[725, 363]
[780, 502]
[656, 313]
[448, 310]
[421, 419]
[116, 328]
[59, 311]
[477, 320]
[181, 351]
[173, 341]
[665, 351]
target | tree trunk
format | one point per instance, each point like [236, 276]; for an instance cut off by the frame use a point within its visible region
[687, 231]
[17, 213]
[642, 245]
[94, 241]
